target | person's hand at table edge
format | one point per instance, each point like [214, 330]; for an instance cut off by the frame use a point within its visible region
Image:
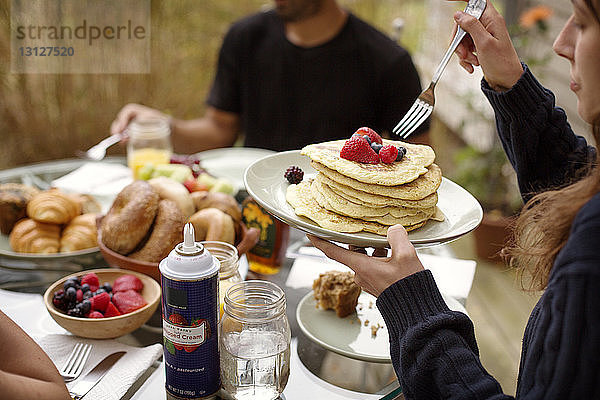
[131, 111]
[375, 274]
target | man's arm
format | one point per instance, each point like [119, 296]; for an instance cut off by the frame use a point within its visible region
[26, 372]
[217, 128]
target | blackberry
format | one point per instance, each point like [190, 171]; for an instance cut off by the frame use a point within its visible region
[85, 287]
[294, 174]
[71, 294]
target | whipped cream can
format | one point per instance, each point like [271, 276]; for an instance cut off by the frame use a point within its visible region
[190, 310]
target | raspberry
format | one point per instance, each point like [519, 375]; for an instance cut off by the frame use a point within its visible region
[358, 149]
[92, 280]
[375, 138]
[95, 314]
[294, 174]
[388, 153]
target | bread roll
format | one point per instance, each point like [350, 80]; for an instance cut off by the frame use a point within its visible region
[222, 201]
[13, 204]
[88, 204]
[167, 232]
[81, 233]
[130, 217]
[53, 206]
[175, 191]
[213, 224]
[30, 236]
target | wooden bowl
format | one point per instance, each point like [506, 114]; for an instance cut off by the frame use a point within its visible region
[106, 328]
[247, 238]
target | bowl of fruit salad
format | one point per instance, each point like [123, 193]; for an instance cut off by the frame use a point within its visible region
[102, 303]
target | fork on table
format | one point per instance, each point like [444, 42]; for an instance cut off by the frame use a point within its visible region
[74, 365]
[423, 106]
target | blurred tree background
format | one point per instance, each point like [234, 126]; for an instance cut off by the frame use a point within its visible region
[51, 116]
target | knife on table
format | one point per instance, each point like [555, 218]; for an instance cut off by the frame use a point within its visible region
[90, 380]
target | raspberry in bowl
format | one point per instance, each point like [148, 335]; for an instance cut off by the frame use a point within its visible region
[102, 303]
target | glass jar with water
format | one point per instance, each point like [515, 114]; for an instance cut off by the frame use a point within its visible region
[254, 341]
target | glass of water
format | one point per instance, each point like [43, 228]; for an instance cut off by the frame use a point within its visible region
[254, 341]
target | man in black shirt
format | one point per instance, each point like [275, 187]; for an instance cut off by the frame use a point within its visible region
[307, 71]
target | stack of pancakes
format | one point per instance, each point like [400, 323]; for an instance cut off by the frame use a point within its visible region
[348, 196]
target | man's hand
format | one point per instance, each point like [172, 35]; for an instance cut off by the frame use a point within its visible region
[375, 274]
[131, 111]
[488, 44]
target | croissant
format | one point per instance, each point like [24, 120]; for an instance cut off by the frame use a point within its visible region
[81, 233]
[53, 206]
[30, 236]
[13, 204]
[213, 224]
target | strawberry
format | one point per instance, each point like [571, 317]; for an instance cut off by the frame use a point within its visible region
[127, 282]
[111, 311]
[358, 149]
[100, 301]
[128, 301]
[374, 136]
[177, 319]
[388, 153]
[92, 280]
[95, 314]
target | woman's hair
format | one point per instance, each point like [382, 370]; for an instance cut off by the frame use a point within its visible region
[544, 224]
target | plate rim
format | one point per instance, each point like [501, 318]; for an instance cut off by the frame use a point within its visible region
[351, 238]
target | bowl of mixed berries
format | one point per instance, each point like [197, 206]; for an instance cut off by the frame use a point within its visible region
[102, 303]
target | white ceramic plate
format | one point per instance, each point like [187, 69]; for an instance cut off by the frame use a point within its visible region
[231, 162]
[265, 183]
[350, 336]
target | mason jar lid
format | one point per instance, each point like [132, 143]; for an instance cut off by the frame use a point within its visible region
[149, 128]
[255, 301]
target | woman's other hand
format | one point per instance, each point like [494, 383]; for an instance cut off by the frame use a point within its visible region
[375, 274]
[488, 44]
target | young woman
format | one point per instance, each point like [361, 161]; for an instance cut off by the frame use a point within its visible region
[557, 235]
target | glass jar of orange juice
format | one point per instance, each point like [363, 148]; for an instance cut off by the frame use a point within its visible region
[149, 143]
[229, 273]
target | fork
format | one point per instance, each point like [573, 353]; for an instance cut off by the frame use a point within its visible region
[423, 106]
[97, 152]
[76, 361]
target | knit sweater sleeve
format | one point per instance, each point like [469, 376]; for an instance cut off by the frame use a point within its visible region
[536, 136]
[433, 349]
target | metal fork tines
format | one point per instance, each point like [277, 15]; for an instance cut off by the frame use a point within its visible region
[97, 152]
[74, 365]
[423, 106]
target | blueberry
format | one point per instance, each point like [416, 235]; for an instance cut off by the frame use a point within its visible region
[401, 153]
[70, 283]
[71, 294]
[376, 146]
[85, 306]
[85, 287]
[101, 290]
[107, 287]
[88, 294]
[367, 138]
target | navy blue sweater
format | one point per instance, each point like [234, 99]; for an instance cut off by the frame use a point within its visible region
[433, 349]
